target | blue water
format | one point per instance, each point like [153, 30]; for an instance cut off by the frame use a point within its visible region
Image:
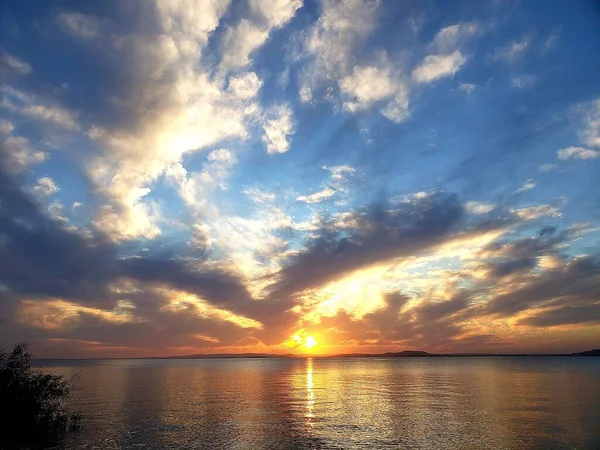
[425, 403]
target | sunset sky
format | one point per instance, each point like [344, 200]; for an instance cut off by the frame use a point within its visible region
[185, 177]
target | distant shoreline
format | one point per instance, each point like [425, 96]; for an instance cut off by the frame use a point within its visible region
[404, 354]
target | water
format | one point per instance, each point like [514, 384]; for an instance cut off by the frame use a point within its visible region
[426, 403]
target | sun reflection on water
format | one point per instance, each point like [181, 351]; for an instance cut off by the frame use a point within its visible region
[310, 394]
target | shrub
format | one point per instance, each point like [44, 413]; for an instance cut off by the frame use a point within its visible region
[33, 403]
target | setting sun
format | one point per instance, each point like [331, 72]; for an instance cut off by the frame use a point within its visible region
[310, 342]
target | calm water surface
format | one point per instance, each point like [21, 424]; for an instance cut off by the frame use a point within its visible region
[436, 403]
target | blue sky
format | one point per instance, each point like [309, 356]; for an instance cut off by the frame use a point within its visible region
[182, 177]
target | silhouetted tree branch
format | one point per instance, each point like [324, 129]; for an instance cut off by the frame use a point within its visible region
[33, 403]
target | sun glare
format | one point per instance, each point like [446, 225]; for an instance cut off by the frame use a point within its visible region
[310, 342]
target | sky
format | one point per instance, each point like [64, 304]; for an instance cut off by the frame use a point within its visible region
[182, 177]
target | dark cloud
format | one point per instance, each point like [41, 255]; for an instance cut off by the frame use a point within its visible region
[433, 324]
[382, 233]
[565, 315]
[575, 283]
[519, 256]
[40, 257]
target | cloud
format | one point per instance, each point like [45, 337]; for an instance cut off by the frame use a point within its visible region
[167, 104]
[332, 49]
[56, 115]
[565, 315]
[278, 126]
[479, 207]
[550, 41]
[380, 234]
[591, 129]
[13, 63]
[248, 35]
[340, 29]
[529, 184]
[366, 86]
[467, 88]
[6, 127]
[574, 284]
[435, 67]
[453, 36]
[337, 184]
[27, 105]
[448, 58]
[317, 197]
[511, 52]
[40, 258]
[535, 212]
[45, 186]
[240, 42]
[547, 167]
[244, 86]
[16, 154]
[577, 153]
[523, 81]
[79, 25]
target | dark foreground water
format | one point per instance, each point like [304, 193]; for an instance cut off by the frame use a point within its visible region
[436, 403]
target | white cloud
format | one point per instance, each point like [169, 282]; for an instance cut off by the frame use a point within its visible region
[57, 115]
[547, 167]
[317, 197]
[446, 58]
[511, 52]
[240, 42]
[332, 48]
[14, 63]
[80, 25]
[550, 41]
[336, 184]
[278, 125]
[6, 127]
[397, 109]
[591, 131]
[479, 207]
[368, 85]
[434, 67]
[467, 88]
[529, 184]
[26, 104]
[577, 153]
[276, 13]
[18, 154]
[174, 106]
[449, 38]
[365, 86]
[244, 86]
[128, 222]
[333, 41]
[305, 94]
[523, 81]
[45, 186]
[340, 173]
[535, 212]
[259, 196]
[251, 33]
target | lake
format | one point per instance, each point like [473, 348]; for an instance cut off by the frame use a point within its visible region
[436, 403]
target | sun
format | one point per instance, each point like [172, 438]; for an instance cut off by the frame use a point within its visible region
[310, 342]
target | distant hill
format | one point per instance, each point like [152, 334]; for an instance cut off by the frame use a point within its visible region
[595, 352]
[224, 355]
[406, 353]
[403, 354]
